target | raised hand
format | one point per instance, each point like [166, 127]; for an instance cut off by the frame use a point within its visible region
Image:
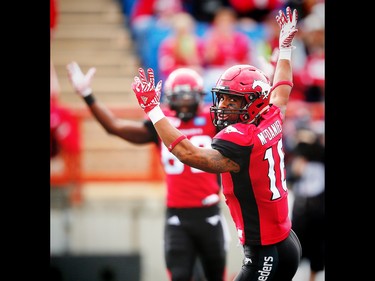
[288, 24]
[80, 82]
[147, 94]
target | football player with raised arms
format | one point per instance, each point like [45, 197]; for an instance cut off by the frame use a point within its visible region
[248, 152]
[194, 227]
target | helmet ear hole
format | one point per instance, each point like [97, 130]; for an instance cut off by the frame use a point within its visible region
[253, 96]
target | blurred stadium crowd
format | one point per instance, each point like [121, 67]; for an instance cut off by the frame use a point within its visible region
[211, 35]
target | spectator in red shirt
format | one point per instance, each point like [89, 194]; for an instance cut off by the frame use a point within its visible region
[182, 48]
[224, 46]
[150, 21]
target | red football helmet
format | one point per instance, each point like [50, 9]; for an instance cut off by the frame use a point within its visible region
[245, 81]
[183, 91]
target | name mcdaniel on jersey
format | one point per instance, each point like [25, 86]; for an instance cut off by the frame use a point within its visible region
[265, 135]
[270, 132]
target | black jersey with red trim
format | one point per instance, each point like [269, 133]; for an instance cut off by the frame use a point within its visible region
[189, 187]
[257, 196]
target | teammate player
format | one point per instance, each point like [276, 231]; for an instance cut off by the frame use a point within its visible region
[193, 224]
[248, 152]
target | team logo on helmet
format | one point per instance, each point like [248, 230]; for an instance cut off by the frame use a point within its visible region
[265, 87]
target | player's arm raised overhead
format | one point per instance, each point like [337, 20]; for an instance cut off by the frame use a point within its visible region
[130, 130]
[283, 72]
[209, 160]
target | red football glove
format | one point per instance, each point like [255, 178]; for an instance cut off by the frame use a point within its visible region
[147, 95]
[288, 24]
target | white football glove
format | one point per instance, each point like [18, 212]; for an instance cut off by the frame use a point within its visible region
[80, 82]
[288, 24]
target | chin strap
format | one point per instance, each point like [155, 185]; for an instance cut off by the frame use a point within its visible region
[284, 82]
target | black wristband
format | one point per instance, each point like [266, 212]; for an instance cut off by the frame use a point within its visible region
[89, 99]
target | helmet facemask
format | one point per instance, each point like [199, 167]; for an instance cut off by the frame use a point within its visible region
[185, 104]
[183, 91]
[242, 112]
